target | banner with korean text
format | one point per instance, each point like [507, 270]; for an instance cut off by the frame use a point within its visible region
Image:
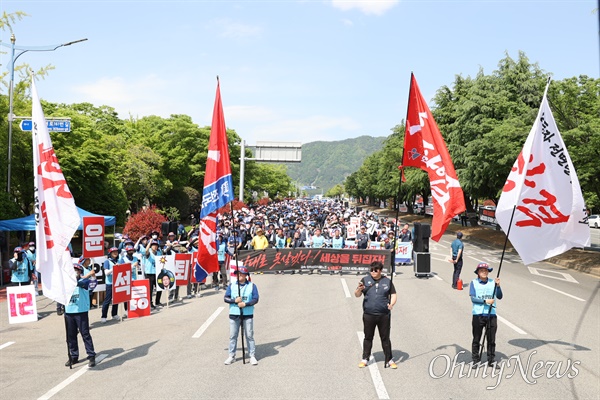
[121, 283]
[93, 237]
[139, 305]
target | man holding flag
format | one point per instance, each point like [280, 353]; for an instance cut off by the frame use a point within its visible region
[57, 218]
[424, 148]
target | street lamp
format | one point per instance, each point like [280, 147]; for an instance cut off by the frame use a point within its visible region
[11, 67]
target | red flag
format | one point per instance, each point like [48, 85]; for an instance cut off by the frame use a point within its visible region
[218, 189]
[424, 148]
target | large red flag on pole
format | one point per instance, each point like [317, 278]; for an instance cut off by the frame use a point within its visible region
[543, 190]
[218, 191]
[424, 148]
[57, 218]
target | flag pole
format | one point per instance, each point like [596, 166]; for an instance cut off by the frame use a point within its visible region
[487, 325]
[400, 186]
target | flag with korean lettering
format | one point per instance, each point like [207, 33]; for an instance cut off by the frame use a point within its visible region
[218, 191]
[542, 187]
[57, 218]
[424, 148]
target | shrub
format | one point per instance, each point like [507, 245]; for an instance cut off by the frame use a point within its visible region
[144, 222]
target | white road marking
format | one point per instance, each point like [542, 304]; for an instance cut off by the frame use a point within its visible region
[511, 325]
[70, 379]
[436, 276]
[345, 286]
[558, 291]
[6, 345]
[206, 324]
[544, 272]
[374, 370]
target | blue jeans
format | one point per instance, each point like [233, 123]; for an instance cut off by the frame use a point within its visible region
[234, 330]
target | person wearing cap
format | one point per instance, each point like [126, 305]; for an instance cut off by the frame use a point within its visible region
[362, 238]
[151, 252]
[241, 296]
[456, 254]
[77, 320]
[107, 267]
[19, 265]
[379, 300]
[484, 293]
[259, 242]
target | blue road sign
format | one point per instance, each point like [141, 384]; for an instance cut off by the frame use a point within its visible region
[59, 125]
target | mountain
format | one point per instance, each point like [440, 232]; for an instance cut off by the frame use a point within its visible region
[325, 164]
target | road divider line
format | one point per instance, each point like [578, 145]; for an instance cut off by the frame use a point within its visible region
[558, 291]
[6, 345]
[345, 286]
[436, 276]
[206, 324]
[511, 325]
[374, 370]
[70, 379]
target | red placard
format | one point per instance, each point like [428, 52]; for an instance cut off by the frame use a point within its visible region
[121, 283]
[182, 269]
[139, 305]
[93, 237]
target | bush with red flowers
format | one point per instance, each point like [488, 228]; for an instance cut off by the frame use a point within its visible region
[144, 222]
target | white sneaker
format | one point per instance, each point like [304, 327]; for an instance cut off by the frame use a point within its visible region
[230, 360]
[253, 360]
[103, 320]
[189, 296]
[116, 317]
[124, 316]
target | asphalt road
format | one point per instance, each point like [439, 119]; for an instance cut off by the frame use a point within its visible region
[308, 331]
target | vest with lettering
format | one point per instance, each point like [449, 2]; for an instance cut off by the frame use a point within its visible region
[80, 299]
[21, 271]
[376, 295]
[483, 292]
[337, 243]
[246, 296]
[110, 264]
[221, 251]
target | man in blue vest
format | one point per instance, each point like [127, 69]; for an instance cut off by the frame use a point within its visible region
[379, 299]
[76, 320]
[483, 297]
[241, 296]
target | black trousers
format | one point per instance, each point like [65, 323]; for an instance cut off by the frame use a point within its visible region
[383, 324]
[79, 322]
[457, 269]
[152, 281]
[479, 322]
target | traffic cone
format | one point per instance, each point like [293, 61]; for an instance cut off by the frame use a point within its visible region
[459, 285]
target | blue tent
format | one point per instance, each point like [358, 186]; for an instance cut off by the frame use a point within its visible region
[28, 223]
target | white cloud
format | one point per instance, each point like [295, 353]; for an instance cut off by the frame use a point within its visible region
[374, 7]
[227, 28]
[347, 22]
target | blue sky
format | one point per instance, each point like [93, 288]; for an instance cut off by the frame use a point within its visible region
[291, 70]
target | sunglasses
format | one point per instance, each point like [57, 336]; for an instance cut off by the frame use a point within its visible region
[375, 269]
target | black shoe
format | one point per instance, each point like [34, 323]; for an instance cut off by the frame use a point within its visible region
[92, 362]
[60, 311]
[493, 365]
[71, 362]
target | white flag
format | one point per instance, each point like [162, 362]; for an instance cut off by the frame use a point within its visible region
[550, 215]
[57, 218]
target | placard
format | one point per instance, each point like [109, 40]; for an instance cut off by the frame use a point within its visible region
[21, 304]
[121, 283]
[93, 237]
[139, 305]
